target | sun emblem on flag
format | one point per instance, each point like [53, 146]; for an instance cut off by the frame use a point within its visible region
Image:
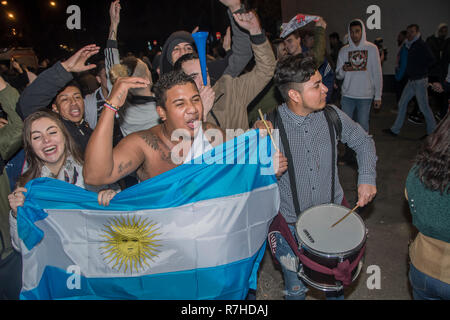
[129, 243]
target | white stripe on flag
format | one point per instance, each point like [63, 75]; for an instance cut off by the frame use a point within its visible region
[200, 235]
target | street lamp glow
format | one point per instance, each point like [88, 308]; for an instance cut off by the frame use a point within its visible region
[53, 3]
[10, 15]
[5, 3]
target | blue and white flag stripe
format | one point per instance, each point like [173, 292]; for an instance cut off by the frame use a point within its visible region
[205, 226]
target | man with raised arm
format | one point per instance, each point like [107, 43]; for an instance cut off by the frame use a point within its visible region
[153, 151]
[227, 107]
[55, 87]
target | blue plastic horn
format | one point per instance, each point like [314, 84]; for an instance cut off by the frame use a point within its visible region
[200, 41]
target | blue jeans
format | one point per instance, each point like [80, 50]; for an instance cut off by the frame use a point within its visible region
[426, 287]
[358, 110]
[418, 88]
[294, 286]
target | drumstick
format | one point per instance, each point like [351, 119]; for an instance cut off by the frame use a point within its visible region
[268, 129]
[345, 216]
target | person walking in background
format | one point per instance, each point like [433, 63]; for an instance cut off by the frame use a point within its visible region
[420, 59]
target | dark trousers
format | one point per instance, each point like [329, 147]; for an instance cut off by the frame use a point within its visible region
[11, 276]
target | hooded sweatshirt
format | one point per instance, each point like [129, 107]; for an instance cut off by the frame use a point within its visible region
[366, 81]
[173, 40]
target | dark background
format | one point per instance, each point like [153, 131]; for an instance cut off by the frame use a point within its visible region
[43, 27]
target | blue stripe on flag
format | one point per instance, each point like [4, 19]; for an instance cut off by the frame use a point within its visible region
[226, 282]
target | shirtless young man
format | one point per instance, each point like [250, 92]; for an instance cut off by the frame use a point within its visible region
[149, 151]
[180, 108]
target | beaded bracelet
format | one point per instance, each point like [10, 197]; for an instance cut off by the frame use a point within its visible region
[114, 106]
[110, 107]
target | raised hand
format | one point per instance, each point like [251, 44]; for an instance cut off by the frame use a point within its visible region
[77, 62]
[233, 5]
[208, 95]
[195, 30]
[16, 66]
[321, 23]
[114, 13]
[121, 86]
[248, 21]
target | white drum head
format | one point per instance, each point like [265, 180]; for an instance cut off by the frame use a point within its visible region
[314, 229]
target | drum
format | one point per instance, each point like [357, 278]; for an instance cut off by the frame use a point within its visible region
[329, 247]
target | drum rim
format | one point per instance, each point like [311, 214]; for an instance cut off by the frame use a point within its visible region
[325, 254]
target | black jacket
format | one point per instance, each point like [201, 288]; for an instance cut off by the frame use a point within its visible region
[420, 59]
[80, 133]
[438, 46]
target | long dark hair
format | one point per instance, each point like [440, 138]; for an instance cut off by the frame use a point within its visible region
[35, 164]
[433, 161]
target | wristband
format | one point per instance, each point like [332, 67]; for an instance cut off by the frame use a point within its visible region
[111, 107]
[116, 107]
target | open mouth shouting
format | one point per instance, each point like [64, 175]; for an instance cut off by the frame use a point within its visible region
[193, 123]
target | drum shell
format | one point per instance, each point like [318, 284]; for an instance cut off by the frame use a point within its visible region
[331, 262]
[323, 281]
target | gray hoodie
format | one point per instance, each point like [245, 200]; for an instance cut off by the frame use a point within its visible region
[366, 81]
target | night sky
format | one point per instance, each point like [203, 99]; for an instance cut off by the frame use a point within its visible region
[44, 27]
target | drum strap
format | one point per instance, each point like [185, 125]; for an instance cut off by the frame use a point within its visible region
[343, 271]
[278, 123]
[334, 123]
[335, 129]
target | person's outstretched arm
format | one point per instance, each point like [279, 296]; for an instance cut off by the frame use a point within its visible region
[241, 49]
[103, 164]
[41, 92]
[112, 55]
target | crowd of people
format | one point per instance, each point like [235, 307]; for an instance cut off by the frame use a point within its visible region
[112, 133]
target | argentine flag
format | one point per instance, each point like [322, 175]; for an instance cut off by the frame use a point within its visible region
[195, 232]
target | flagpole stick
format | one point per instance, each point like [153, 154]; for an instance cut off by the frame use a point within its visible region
[268, 129]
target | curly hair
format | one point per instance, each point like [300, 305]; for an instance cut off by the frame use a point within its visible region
[433, 161]
[168, 81]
